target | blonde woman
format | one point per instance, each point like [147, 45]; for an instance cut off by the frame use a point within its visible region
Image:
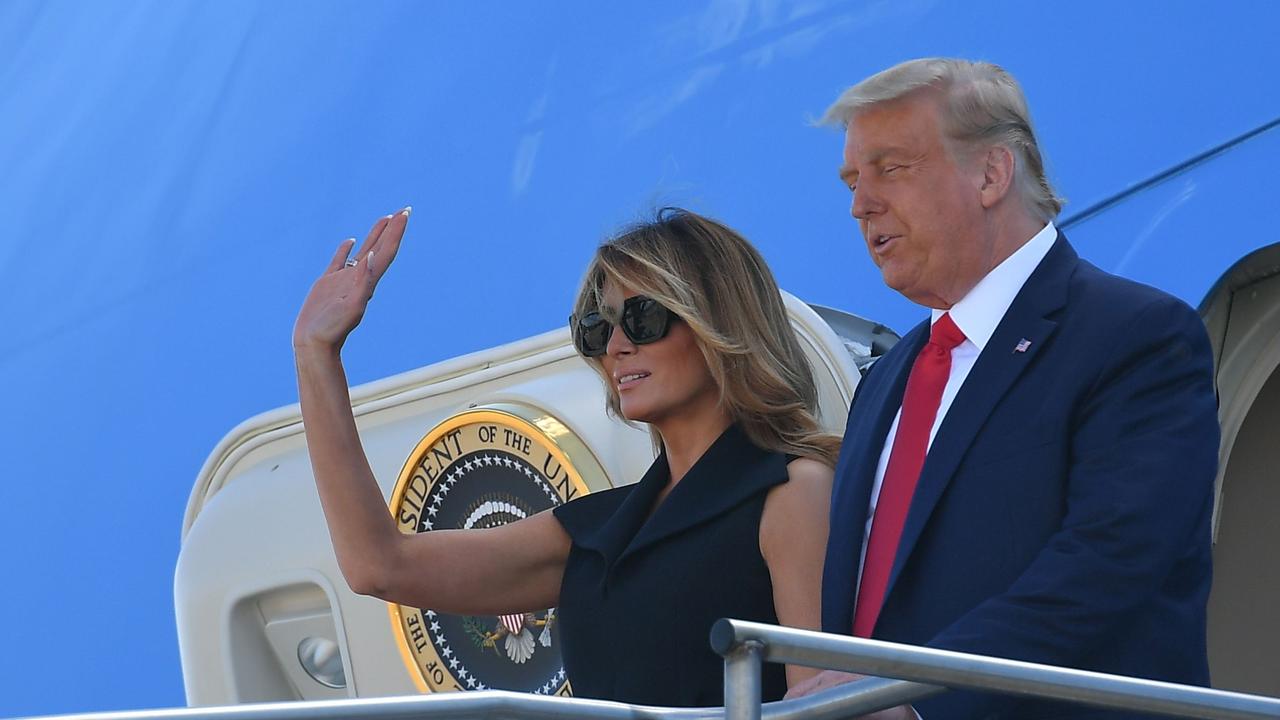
[686, 326]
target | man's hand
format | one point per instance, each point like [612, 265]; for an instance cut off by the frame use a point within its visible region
[828, 679]
[822, 681]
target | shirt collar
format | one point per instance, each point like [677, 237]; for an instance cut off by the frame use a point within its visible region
[979, 312]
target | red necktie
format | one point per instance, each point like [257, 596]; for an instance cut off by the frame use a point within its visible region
[919, 408]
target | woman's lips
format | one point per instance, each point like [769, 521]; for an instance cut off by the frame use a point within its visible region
[631, 378]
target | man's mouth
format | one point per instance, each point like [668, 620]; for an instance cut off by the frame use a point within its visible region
[882, 242]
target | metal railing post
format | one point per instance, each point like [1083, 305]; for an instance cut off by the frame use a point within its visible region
[742, 666]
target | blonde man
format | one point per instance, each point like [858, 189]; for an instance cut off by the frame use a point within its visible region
[1029, 473]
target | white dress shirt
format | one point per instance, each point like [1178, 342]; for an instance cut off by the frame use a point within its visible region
[977, 315]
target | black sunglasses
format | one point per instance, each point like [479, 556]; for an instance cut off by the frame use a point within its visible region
[643, 320]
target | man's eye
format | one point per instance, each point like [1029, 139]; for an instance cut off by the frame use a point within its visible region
[890, 169]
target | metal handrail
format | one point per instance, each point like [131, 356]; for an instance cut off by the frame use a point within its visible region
[923, 671]
[745, 645]
[496, 704]
[850, 701]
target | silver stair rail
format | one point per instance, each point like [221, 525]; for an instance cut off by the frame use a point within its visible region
[745, 645]
[488, 704]
[852, 700]
[923, 671]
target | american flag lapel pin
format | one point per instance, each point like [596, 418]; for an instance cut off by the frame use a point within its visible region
[1022, 345]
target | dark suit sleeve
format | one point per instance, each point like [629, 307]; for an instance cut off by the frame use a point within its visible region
[1143, 458]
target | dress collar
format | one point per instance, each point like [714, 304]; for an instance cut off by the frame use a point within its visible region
[730, 472]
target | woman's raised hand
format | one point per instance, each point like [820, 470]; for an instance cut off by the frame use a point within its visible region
[339, 297]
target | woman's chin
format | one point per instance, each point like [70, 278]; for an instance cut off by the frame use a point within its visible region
[635, 417]
[636, 412]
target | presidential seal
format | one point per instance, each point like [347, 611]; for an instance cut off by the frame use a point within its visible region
[481, 468]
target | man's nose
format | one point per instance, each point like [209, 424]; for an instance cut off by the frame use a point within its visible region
[865, 201]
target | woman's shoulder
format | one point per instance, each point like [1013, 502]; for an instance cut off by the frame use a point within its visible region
[796, 512]
[809, 470]
[808, 484]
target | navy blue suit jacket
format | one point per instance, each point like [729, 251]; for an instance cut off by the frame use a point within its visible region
[1063, 513]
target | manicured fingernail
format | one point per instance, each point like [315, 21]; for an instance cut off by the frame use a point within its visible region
[407, 209]
[389, 216]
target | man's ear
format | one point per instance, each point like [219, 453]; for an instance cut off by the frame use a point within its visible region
[997, 175]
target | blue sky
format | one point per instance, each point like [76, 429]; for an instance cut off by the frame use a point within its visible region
[175, 173]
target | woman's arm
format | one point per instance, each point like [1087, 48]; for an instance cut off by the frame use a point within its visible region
[793, 541]
[511, 568]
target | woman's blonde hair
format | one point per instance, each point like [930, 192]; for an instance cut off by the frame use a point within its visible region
[718, 285]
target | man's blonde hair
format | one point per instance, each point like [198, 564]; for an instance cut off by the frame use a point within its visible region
[983, 105]
[719, 285]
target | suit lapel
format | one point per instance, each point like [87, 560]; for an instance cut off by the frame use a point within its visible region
[855, 474]
[994, 373]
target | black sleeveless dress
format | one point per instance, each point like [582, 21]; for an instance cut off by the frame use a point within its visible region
[639, 596]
